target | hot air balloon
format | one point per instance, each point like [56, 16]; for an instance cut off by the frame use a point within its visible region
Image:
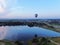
[36, 15]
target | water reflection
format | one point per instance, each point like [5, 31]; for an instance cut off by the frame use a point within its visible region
[27, 33]
[3, 31]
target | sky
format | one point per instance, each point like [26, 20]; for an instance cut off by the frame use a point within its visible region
[22, 9]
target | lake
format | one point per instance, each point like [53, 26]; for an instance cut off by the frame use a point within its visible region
[25, 32]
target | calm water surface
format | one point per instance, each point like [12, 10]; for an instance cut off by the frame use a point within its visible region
[26, 33]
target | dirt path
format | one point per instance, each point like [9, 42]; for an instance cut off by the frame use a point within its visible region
[55, 42]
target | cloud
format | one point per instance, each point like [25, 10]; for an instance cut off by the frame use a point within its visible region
[1, 9]
[7, 8]
[13, 13]
[3, 3]
[2, 6]
[6, 4]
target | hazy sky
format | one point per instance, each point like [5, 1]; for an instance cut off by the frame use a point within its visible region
[27, 8]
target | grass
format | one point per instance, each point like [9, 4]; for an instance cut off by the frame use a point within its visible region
[53, 29]
[30, 42]
[56, 39]
[8, 43]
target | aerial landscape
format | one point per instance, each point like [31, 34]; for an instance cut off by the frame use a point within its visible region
[29, 22]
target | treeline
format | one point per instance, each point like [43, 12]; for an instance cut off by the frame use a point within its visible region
[21, 23]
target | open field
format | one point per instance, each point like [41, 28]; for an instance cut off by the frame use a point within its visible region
[51, 41]
[56, 39]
